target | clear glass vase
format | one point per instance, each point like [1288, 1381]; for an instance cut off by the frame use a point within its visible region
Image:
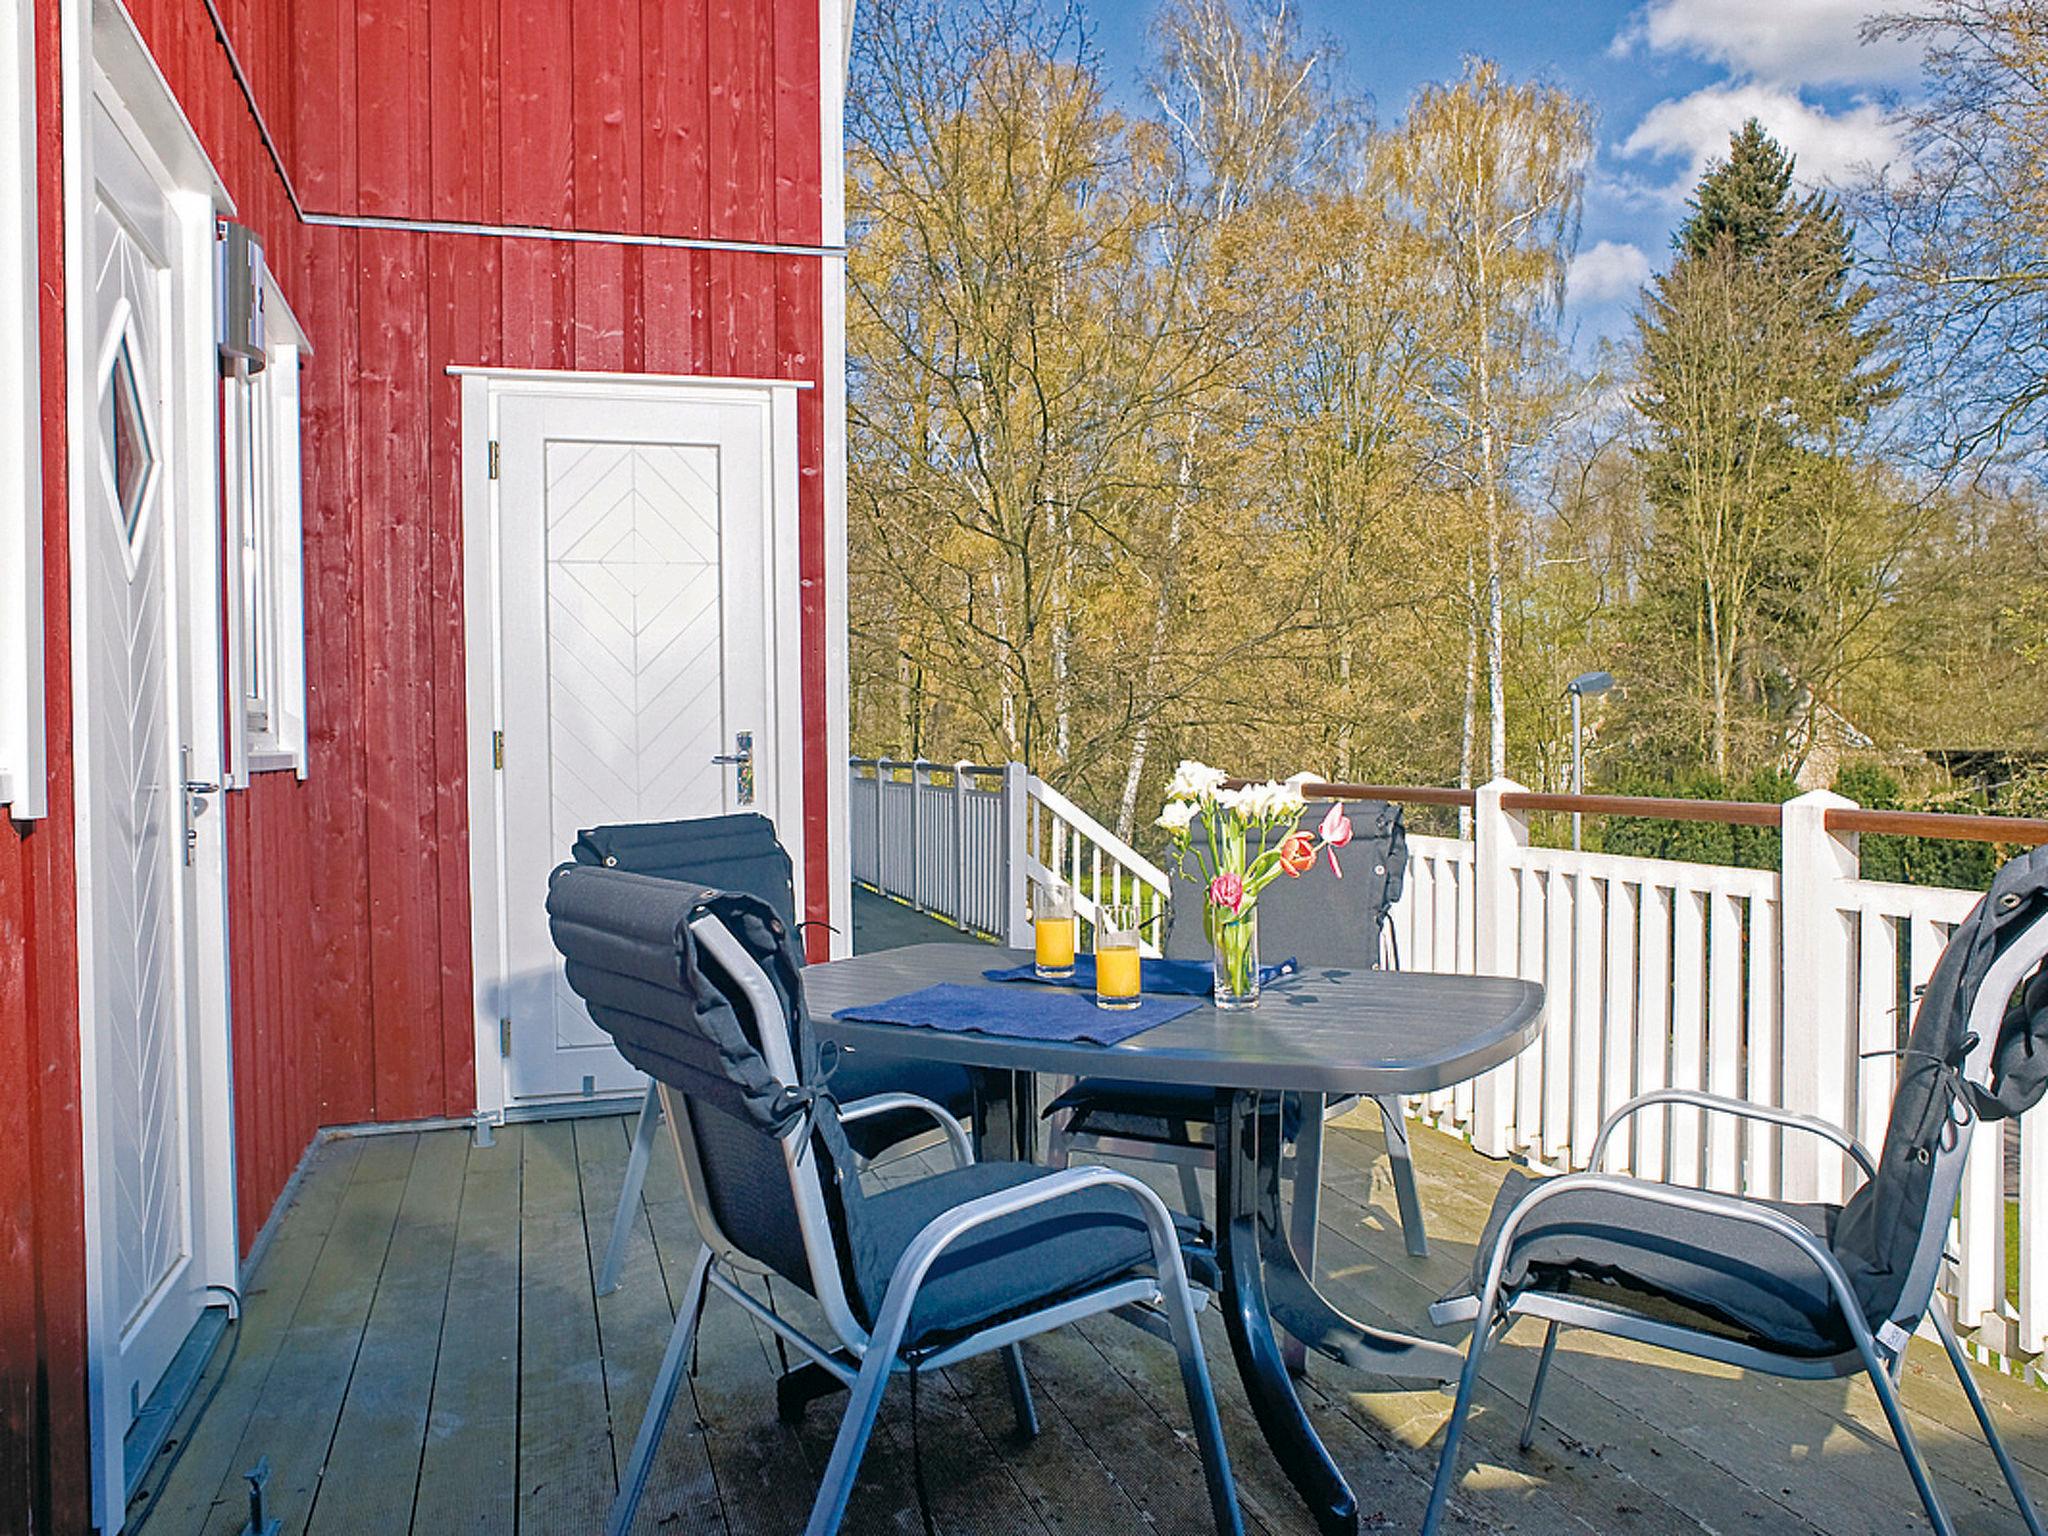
[1234, 941]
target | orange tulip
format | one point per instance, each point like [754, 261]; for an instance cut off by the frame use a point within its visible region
[1297, 853]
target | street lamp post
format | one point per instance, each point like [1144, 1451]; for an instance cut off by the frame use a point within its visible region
[1580, 688]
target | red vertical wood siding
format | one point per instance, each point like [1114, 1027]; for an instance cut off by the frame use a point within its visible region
[351, 982]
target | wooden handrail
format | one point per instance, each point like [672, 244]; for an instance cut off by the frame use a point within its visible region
[1740, 813]
[2031, 830]
[1405, 794]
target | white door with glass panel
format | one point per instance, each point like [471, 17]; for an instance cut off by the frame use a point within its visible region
[637, 648]
[151, 1207]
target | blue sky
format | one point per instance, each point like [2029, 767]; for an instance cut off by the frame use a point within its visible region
[1669, 78]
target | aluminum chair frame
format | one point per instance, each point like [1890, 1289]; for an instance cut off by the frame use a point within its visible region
[647, 1127]
[865, 1359]
[1868, 1355]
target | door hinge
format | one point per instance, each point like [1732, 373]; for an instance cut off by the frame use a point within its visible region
[498, 750]
[494, 458]
[504, 1037]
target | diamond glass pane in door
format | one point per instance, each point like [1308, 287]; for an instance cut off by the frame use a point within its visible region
[131, 454]
[634, 669]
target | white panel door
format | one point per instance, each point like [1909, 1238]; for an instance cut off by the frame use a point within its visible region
[143, 1062]
[636, 650]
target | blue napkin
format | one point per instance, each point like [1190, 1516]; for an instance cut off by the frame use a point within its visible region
[959, 1008]
[1186, 978]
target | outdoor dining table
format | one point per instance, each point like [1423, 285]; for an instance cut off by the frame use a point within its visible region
[1317, 1034]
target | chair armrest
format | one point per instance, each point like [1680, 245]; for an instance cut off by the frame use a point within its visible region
[883, 1103]
[1678, 1197]
[1740, 1108]
[949, 1226]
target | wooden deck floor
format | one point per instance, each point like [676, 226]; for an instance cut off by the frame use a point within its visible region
[422, 1351]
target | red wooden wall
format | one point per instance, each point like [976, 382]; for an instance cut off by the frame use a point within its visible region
[349, 909]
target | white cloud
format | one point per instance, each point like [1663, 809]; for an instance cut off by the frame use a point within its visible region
[1831, 147]
[1785, 42]
[1610, 270]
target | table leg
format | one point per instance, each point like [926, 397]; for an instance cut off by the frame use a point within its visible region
[1005, 1116]
[1304, 1210]
[1247, 1160]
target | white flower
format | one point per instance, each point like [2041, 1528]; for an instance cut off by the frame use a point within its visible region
[1195, 781]
[1235, 802]
[1178, 816]
[1288, 801]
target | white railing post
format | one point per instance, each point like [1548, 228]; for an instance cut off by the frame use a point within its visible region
[881, 840]
[1816, 1021]
[1498, 836]
[960, 903]
[1017, 855]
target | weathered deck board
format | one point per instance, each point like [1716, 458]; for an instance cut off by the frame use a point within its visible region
[471, 1452]
[422, 1350]
[376, 1449]
[565, 1451]
[209, 1462]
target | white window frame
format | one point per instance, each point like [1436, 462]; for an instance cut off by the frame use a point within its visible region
[23, 779]
[260, 423]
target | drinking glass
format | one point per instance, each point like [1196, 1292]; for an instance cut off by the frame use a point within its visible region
[1052, 914]
[1116, 956]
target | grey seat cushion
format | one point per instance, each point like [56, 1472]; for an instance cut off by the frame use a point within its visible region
[1734, 1278]
[1068, 1245]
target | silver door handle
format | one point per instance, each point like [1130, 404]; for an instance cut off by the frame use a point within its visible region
[195, 787]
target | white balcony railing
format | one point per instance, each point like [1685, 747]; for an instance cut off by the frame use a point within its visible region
[1784, 987]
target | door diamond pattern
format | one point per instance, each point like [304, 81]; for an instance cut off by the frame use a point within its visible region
[635, 704]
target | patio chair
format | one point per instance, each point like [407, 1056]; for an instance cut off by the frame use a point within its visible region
[702, 990]
[1320, 920]
[1811, 1292]
[741, 852]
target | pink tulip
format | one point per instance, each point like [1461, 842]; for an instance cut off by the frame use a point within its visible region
[1336, 827]
[1227, 891]
[1335, 833]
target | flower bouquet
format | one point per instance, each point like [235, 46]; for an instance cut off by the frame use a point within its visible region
[1250, 837]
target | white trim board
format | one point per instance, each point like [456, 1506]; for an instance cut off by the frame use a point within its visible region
[23, 726]
[551, 377]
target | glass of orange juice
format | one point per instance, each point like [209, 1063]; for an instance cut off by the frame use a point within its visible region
[1053, 925]
[1116, 956]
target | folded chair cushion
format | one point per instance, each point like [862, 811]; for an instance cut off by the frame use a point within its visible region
[735, 853]
[1002, 1269]
[741, 852]
[1879, 1232]
[1734, 1277]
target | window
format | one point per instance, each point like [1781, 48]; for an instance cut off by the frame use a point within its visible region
[265, 581]
[22, 788]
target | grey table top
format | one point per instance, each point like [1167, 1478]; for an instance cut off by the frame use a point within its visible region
[1322, 1030]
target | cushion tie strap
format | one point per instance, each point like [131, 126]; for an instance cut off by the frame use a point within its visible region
[805, 1099]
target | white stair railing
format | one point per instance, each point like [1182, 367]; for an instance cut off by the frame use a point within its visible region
[1064, 843]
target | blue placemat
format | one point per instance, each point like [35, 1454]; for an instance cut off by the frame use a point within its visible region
[1184, 978]
[1039, 1015]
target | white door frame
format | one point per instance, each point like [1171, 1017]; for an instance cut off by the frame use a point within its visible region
[105, 61]
[484, 390]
